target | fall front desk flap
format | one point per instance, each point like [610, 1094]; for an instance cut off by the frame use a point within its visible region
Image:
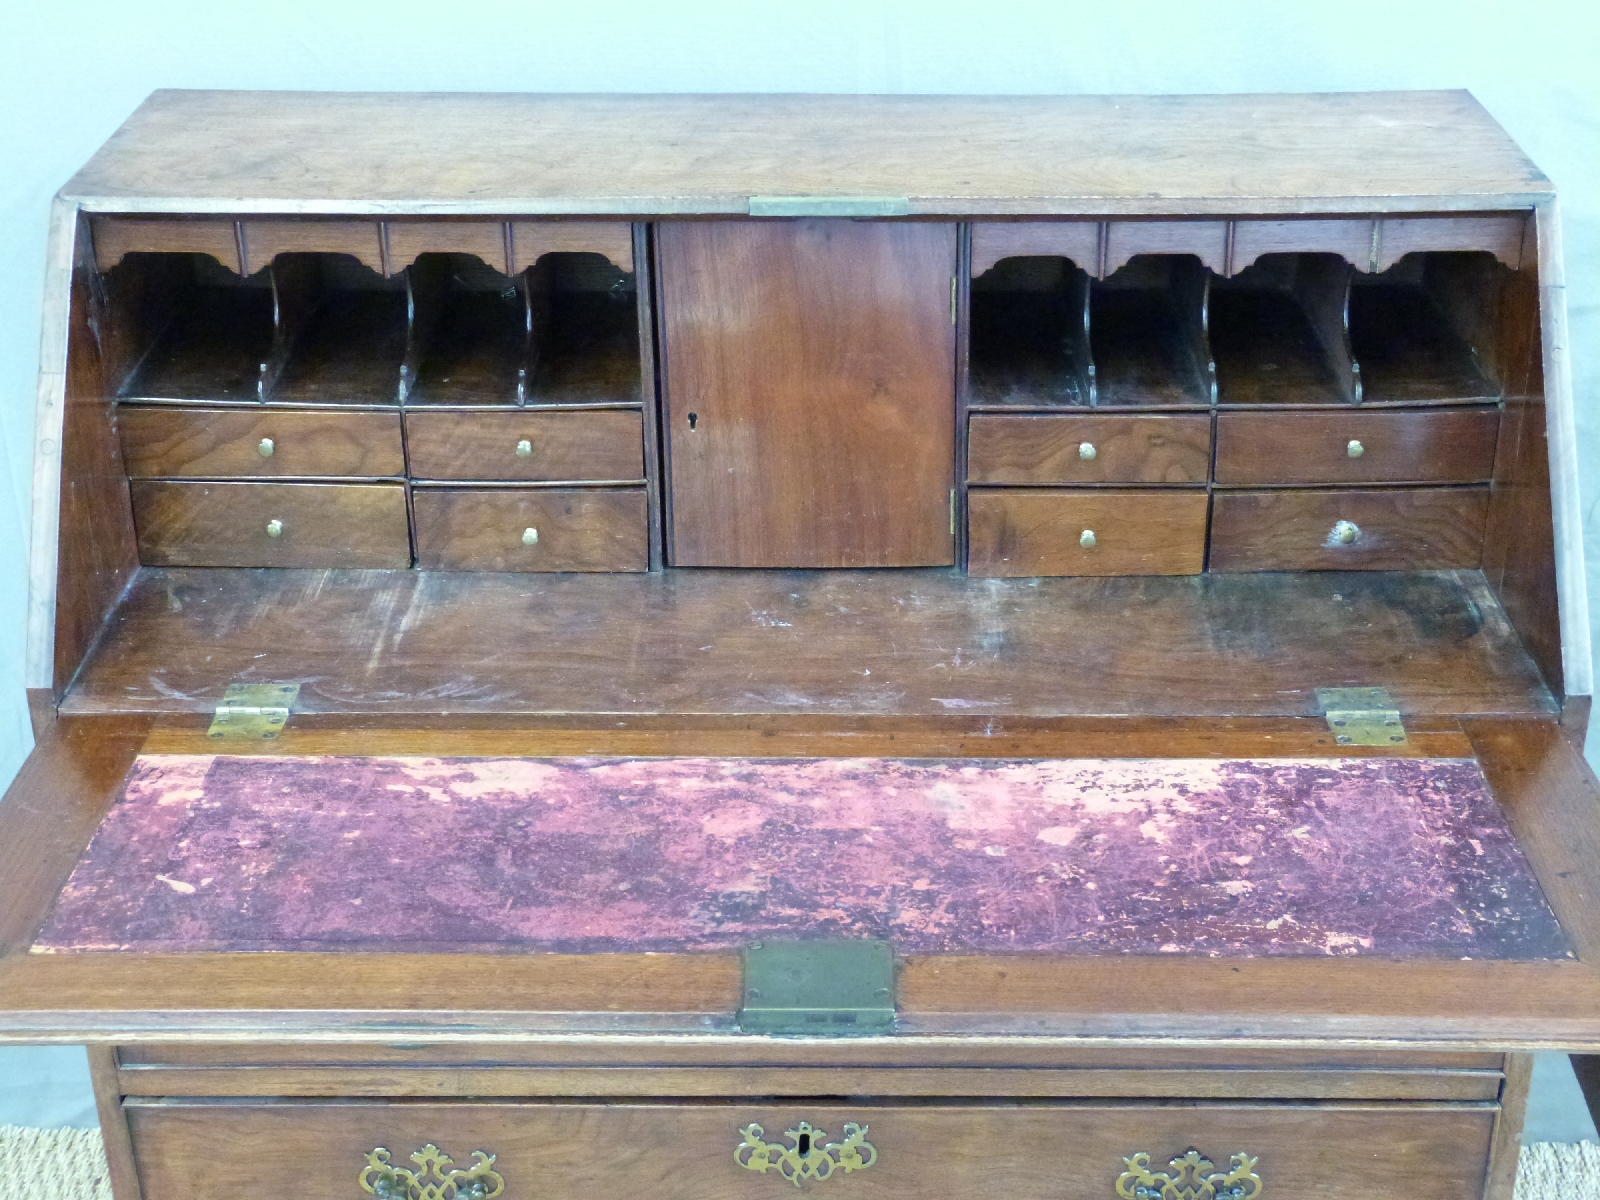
[1386, 857]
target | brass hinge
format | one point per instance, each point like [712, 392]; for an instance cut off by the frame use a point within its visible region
[253, 712]
[1362, 716]
[842, 987]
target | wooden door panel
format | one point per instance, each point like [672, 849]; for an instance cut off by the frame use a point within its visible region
[810, 400]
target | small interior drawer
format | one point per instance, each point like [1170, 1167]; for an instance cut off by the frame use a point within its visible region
[532, 529]
[1418, 529]
[190, 524]
[200, 443]
[1087, 448]
[534, 446]
[730, 1151]
[1444, 446]
[1039, 531]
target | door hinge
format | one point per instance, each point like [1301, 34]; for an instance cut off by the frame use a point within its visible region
[253, 712]
[841, 987]
[1364, 716]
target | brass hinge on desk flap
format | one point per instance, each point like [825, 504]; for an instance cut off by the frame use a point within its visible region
[253, 712]
[1362, 716]
[843, 987]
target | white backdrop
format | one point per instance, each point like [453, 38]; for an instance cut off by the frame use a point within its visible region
[71, 72]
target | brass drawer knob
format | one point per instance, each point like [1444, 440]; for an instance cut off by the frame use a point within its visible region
[1354, 448]
[1086, 539]
[265, 447]
[810, 1157]
[1087, 452]
[524, 448]
[1344, 533]
[1190, 1176]
[530, 536]
[437, 1177]
[274, 528]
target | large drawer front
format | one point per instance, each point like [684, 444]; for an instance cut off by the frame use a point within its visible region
[536, 446]
[1088, 448]
[1050, 1151]
[1450, 446]
[532, 529]
[1416, 529]
[1038, 531]
[176, 443]
[271, 524]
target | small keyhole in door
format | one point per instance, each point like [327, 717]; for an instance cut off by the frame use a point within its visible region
[805, 1144]
[694, 419]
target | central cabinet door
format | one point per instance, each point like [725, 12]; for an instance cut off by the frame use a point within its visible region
[810, 392]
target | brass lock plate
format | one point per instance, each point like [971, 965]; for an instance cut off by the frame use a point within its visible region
[834, 988]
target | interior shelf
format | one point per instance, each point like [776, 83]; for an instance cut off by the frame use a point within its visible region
[1147, 333]
[217, 339]
[1030, 335]
[586, 332]
[343, 329]
[472, 341]
[1403, 334]
[1278, 332]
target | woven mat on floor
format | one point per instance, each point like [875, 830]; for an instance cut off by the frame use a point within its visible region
[70, 1164]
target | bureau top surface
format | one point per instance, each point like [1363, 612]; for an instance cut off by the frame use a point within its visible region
[239, 151]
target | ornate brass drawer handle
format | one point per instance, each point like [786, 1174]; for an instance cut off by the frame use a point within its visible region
[808, 1158]
[1190, 1176]
[437, 1179]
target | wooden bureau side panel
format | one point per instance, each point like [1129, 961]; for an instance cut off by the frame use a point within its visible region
[1006, 448]
[1041, 532]
[225, 524]
[818, 360]
[1419, 529]
[201, 443]
[469, 529]
[606, 446]
[1449, 446]
[686, 1152]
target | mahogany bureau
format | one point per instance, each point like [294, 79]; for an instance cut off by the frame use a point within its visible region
[885, 646]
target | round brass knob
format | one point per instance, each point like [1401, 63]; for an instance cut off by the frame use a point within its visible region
[1344, 532]
[530, 536]
[524, 448]
[1087, 452]
[274, 528]
[1355, 449]
[265, 447]
[1086, 539]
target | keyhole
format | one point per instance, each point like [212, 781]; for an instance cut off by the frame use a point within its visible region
[805, 1144]
[694, 419]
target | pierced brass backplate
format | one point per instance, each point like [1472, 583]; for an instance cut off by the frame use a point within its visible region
[1190, 1176]
[253, 712]
[811, 1156]
[1362, 716]
[438, 1177]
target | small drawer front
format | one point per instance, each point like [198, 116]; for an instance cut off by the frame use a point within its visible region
[863, 1152]
[203, 443]
[1415, 529]
[1448, 446]
[535, 446]
[533, 529]
[1073, 448]
[1066, 532]
[271, 524]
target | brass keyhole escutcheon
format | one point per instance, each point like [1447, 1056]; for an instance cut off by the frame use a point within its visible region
[434, 1176]
[1087, 452]
[274, 528]
[530, 536]
[265, 447]
[811, 1156]
[1355, 449]
[524, 448]
[1190, 1176]
[1087, 539]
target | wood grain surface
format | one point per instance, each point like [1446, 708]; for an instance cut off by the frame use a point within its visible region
[810, 392]
[1500, 235]
[265, 239]
[116, 237]
[1425, 1151]
[1411, 529]
[684, 642]
[1006, 448]
[1349, 238]
[576, 529]
[1206, 240]
[200, 443]
[1448, 446]
[575, 446]
[532, 240]
[406, 240]
[1037, 531]
[1077, 241]
[595, 155]
[227, 524]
